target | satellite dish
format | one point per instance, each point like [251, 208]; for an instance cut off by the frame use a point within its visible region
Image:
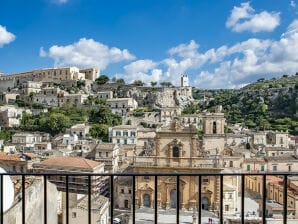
[8, 191]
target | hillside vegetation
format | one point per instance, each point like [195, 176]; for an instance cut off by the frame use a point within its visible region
[265, 104]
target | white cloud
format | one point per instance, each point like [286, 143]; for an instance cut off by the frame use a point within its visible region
[225, 67]
[86, 53]
[244, 18]
[293, 4]
[5, 36]
[252, 59]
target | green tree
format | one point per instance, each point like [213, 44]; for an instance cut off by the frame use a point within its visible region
[166, 84]
[153, 84]
[120, 81]
[100, 131]
[55, 123]
[138, 83]
[103, 115]
[103, 79]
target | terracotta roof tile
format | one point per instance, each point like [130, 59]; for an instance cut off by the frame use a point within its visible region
[11, 157]
[71, 162]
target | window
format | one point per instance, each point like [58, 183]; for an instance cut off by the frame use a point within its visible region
[125, 133]
[132, 141]
[74, 215]
[230, 196]
[99, 154]
[248, 167]
[107, 154]
[289, 168]
[205, 180]
[132, 133]
[274, 168]
[22, 169]
[14, 168]
[226, 208]
[118, 141]
[122, 191]
[125, 141]
[262, 168]
[129, 191]
[231, 163]
[146, 178]
[118, 133]
[214, 127]
[175, 151]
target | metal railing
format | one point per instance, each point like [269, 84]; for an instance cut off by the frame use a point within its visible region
[47, 176]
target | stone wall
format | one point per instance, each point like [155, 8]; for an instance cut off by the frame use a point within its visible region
[34, 204]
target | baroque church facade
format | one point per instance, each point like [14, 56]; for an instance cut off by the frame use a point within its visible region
[179, 150]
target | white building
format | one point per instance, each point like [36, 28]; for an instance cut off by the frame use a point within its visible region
[121, 106]
[123, 134]
[105, 94]
[10, 116]
[80, 129]
[70, 139]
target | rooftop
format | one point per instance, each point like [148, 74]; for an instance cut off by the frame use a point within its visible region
[70, 162]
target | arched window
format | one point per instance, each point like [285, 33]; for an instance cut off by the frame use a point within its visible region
[175, 151]
[214, 127]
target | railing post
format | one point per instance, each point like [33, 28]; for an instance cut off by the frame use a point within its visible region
[134, 199]
[45, 198]
[155, 200]
[200, 200]
[178, 198]
[67, 200]
[264, 200]
[1, 195]
[285, 198]
[242, 197]
[23, 200]
[89, 199]
[112, 197]
[221, 199]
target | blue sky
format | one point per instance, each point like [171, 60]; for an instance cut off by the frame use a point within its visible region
[218, 43]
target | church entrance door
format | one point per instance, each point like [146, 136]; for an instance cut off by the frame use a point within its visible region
[173, 196]
[205, 203]
[146, 200]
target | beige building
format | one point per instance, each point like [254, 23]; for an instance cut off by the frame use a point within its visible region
[53, 75]
[108, 154]
[18, 163]
[177, 150]
[213, 132]
[73, 165]
[78, 211]
[31, 87]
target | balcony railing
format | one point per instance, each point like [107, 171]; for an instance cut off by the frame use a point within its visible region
[112, 177]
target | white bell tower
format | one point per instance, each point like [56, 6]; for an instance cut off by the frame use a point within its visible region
[184, 81]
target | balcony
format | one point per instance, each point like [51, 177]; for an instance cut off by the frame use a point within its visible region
[152, 209]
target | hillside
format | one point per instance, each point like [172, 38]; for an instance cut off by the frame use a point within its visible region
[265, 104]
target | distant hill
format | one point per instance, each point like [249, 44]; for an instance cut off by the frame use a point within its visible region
[265, 104]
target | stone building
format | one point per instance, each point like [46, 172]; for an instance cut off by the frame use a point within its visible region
[73, 165]
[177, 150]
[78, 210]
[213, 132]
